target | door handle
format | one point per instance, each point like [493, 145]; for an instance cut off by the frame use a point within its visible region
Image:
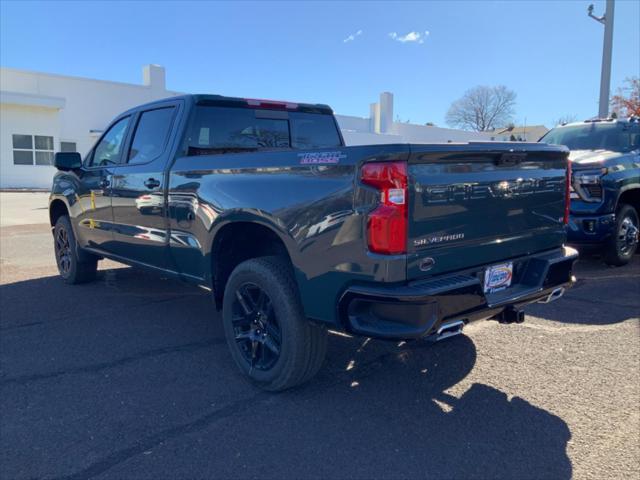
[104, 183]
[151, 183]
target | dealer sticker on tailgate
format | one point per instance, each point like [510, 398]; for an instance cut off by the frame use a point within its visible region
[498, 277]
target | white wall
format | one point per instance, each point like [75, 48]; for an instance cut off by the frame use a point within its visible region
[423, 134]
[88, 105]
[362, 138]
[29, 121]
[357, 131]
[349, 123]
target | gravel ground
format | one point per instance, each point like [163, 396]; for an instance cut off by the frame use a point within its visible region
[129, 377]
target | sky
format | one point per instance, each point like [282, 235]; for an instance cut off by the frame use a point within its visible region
[340, 53]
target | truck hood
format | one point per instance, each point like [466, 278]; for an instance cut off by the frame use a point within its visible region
[592, 157]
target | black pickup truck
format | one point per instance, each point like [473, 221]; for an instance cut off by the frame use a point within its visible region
[295, 233]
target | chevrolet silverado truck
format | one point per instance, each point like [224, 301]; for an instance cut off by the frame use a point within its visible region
[295, 233]
[605, 189]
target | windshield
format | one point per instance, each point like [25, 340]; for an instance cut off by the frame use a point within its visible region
[228, 129]
[616, 137]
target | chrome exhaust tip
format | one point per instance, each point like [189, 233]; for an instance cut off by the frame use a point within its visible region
[554, 295]
[449, 330]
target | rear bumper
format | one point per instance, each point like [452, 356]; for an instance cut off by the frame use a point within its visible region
[418, 309]
[590, 229]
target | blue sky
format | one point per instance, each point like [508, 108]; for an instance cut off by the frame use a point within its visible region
[548, 52]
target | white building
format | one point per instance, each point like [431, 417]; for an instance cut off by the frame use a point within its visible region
[42, 113]
[381, 128]
[531, 133]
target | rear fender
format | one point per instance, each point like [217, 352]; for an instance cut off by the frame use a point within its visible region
[259, 218]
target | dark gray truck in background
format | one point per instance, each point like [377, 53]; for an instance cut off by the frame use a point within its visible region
[605, 186]
[295, 233]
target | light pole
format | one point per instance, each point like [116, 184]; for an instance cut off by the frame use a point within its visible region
[605, 76]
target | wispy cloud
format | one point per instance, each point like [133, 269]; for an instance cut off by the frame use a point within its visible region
[352, 37]
[411, 37]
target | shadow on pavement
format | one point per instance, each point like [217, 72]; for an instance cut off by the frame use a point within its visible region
[129, 377]
[394, 415]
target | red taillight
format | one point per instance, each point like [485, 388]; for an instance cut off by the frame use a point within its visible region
[567, 193]
[387, 224]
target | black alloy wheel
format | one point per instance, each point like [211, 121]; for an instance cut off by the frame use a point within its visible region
[63, 251]
[270, 339]
[255, 326]
[74, 264]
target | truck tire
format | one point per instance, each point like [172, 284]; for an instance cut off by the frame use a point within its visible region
[270, 339]
[624, 241]
[74, 266]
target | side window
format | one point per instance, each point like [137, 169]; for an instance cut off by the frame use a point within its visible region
[152, 133]
[107, 152]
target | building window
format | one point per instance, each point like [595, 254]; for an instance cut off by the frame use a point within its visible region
[26, 148]
[22, 150]
[68, 147]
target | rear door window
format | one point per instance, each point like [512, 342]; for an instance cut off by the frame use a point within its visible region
[151, 135]
[223, 130]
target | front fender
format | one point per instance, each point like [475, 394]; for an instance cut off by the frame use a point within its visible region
[65, 189]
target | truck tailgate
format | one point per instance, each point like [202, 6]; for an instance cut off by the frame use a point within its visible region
[478, 204]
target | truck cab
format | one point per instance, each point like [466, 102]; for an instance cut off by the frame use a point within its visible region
[294, 233]
[605, 185]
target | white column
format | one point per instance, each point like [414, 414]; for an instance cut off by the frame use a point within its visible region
[386, 112]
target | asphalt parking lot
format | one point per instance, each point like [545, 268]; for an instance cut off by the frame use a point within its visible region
[129, 377]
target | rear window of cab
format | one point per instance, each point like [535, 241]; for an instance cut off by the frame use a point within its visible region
[226, 129]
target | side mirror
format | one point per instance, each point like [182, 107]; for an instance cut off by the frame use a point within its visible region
[67, 160]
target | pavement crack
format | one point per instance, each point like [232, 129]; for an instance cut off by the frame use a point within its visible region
[23, 325]
[96, 367]
[93, 316]
[150, 442]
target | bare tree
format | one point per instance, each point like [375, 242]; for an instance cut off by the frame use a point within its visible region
[564, 119]
[482, 108]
